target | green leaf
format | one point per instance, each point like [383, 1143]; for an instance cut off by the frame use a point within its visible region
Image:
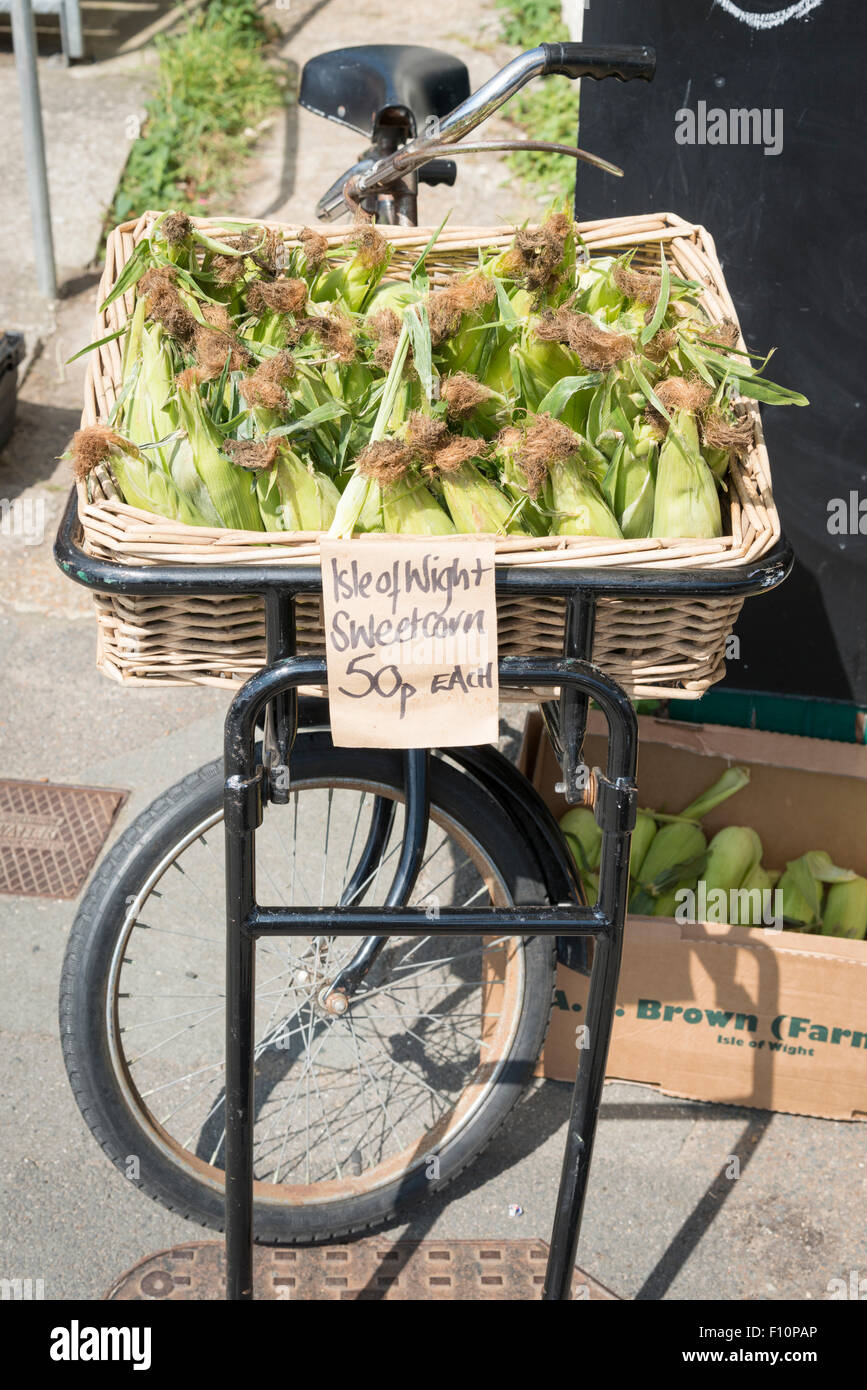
[418, 276]
[621, 420]
[330, 410]
[769, 393]
[695, 361]
[556, 400]
[100, 342]
[751, 383]
[218, 394]
[132, 272]
[826, 872]
[417, 323]
[194, 286]
[661, 304]
[229, 427]
[671, 876]
[131, 379]
[508, 314]
[220, 248]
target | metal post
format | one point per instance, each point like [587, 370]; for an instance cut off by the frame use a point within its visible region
[24, 43]
[70, 26]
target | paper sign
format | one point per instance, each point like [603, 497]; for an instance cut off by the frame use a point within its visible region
[411, 641]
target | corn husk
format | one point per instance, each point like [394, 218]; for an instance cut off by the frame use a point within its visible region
[294, 496]
[409, 508]
[578, 502]
[686, 502]
[629, 489]
[802, 887]
[477, 504]
[675, 859]
[750, 897]
[846, 910]
[732, 855]
[353, 280]
[583, 836]
[230, 488]
[734, 779]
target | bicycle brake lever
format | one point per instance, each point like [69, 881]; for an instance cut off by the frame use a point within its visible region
[543, 146]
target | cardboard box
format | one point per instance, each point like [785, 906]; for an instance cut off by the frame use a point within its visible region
[746, 1016]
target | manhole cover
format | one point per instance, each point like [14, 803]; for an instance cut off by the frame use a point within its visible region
[367, 1269]
[51, 835]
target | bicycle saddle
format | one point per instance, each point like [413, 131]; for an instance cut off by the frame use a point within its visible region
[357, 86]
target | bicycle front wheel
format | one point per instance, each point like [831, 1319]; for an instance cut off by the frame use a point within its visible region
[357, 1117]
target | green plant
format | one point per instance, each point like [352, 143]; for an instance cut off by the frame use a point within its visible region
[214, 87]
[548, 109]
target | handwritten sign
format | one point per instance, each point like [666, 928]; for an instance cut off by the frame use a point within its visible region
[411, 641]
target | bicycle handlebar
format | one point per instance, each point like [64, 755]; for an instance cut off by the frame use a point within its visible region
[571, 59]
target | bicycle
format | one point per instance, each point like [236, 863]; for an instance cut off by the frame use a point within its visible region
[397, 1058]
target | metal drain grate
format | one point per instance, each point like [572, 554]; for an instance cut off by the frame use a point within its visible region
[50, 836]
[371, 1269]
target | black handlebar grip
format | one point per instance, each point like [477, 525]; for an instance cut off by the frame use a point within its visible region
[626, 61]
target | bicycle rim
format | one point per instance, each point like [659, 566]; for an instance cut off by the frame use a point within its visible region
[343, 1106]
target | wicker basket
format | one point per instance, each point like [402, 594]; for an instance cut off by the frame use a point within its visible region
[655, 648]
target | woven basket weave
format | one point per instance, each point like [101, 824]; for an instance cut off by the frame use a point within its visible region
[655, 648]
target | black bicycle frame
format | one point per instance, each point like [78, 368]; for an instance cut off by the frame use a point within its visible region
[273, 693]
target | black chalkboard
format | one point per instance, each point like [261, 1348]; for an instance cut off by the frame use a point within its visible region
[790, 231]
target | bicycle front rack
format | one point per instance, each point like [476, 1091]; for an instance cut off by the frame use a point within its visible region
[273, 693]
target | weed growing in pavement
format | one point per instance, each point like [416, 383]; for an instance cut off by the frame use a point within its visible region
[214, 88]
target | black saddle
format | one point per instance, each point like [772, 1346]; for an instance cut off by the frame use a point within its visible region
[373, 84]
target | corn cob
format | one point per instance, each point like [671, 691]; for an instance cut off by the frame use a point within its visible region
[354, 279]
[579, 505]
[685, 501]
[409, 508]
[141, 479]
[583, 836]
[476, 504]
[732, 855]
[802, 886]
[846, 910]
[294, 496]
[802, 894]
[585, 346]
[629, 489]
[230, 489]
[750, 897]
[674, 861]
